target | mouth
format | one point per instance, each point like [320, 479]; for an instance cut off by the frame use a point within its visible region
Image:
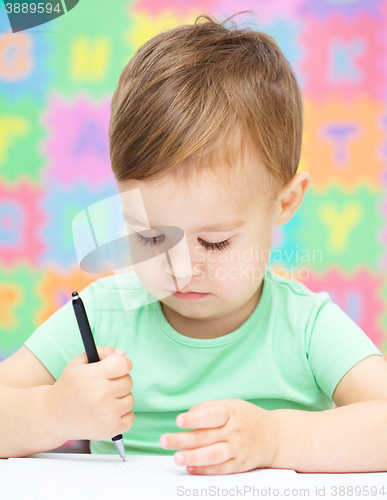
[189, 295]
[184, 291]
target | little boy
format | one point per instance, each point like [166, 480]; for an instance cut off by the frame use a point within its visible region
[206, 122]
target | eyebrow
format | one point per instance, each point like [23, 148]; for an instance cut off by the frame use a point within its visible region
[216, 227]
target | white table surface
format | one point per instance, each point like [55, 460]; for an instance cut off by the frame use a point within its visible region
[319, 485]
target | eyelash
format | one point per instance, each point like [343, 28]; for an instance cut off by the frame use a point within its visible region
[208, 246]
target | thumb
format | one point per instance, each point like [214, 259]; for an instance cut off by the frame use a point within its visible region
[103, 352]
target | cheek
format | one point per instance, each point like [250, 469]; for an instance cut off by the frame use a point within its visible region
[230, 275]
[240, 268]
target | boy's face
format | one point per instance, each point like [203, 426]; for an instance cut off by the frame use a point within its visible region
[230, 277]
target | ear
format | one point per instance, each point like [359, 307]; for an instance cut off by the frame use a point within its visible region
[291, 196]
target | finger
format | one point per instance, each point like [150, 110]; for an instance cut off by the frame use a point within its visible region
[129, 361]
[127, 420]
[125, 404]
[227, 467]
[208, 455]
[204, 404]
[103, 352]
[121, 386]
[115, 366]
[201, 405]
[190, 440]
[213, 415]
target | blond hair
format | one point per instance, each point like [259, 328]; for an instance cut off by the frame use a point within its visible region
[208, 93]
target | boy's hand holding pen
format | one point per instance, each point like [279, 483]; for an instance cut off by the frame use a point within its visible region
[93, 400]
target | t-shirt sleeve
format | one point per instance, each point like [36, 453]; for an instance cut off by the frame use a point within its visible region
[58, 340]
[335, 344]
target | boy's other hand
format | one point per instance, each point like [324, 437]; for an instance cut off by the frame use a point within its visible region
[229, 436]
[93, 400]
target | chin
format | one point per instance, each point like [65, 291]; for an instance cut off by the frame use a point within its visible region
[195, 312]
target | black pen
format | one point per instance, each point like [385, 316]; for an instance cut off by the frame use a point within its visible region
[91, 351]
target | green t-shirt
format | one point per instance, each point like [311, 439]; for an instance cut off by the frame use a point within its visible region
[290, 353]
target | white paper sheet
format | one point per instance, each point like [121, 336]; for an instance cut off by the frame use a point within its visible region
[106, 477]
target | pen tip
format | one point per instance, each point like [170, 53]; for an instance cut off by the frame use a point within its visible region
[123, 458]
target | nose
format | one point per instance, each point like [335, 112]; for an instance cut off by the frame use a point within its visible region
[180, 261]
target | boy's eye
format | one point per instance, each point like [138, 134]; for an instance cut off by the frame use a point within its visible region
[215, 246]
[208, 246]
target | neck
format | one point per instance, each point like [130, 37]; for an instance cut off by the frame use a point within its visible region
[214, 327]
